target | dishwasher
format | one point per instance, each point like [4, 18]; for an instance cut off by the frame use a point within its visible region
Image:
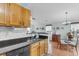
[26, 51]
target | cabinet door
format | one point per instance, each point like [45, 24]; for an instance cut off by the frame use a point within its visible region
[14, 14]
[28, 18]
[46, 46]
[7, 14]
[42, 48]
[25, 17]
[2, 14]
[34, 50]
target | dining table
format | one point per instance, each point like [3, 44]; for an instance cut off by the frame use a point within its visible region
[72, 43]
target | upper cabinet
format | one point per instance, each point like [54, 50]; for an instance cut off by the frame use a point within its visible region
[25, 14]
[7, 14]
[2, 14]
[15, 14]
[12, 14]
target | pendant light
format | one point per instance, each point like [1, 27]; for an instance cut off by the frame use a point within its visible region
[66, 22]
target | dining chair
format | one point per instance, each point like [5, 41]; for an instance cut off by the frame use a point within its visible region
[74, 44]
[62, 44]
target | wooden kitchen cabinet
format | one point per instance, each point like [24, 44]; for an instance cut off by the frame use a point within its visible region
[46, 46]
[34, 52]
[39, 48]
[25, 16]
[15, 14]
[34, 49]
[2, 14]
[19, 16]
[42, 48]
[7, 14]
[12, 14]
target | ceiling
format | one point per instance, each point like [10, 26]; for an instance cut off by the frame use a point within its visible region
[53, 13]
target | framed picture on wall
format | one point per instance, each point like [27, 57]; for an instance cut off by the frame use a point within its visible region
[62, 27]
[57, 28]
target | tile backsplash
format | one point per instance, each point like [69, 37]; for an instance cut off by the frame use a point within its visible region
[10, 32]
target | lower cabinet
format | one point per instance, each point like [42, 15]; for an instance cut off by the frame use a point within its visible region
[39, 48]
[34, 49]
[46, 46]
[42, 48]
[34, 52]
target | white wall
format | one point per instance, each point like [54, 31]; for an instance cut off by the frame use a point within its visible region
[63, 30]
[35, 25]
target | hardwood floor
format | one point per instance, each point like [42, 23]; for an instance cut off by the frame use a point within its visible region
[64, 51]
